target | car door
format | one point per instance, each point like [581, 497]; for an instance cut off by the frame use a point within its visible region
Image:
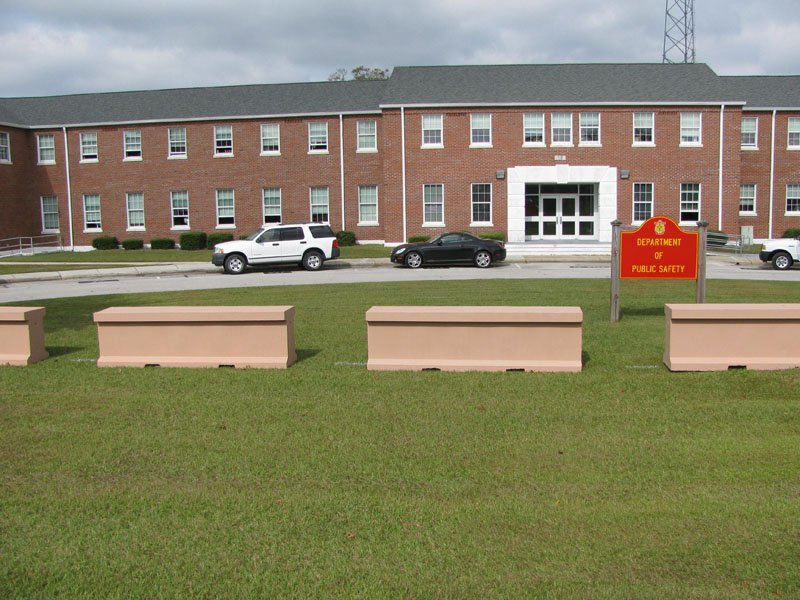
[292, 244]
[449, 248]
[266, 247]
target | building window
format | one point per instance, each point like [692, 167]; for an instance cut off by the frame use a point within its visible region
[271, 202]
[89, 147]
[749, 132]
[5, 147]
[561, 128]
[432, 136]
[642, 202]
[319, 205]
[644, 128]
[368, 205]
[135, 204]
[590, 129]
[179, 204]
[271, 139]
[91, 213]
[47, 148]
[317, 137]
[481, 203]
[793, 198]
[480, 129]
[433, 204]
[226, 209]
[747, 199]
[50, 222]
[794, 133]
[691, 129]
[690, 203]
[177, 142]
[533, 129]
[367, 136]
[223, 140]
[133, 144]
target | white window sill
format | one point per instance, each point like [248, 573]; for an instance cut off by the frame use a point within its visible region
[793, 148]
[689, 223]
[747, 214]
[590, 145]
[481, 145]
[562, 145]
[226, 226]
[366, 151]
[643, 145]
[749, 148]
[271, 153]
[368, 224]
[691, 145]
[318, 152]
[132, 159]
[177, 157]
[6, 162]
[92, 231]
[86, 161]
[481, 224]
[46, 162]
[433, 225]
[792, 214]
[534, 145]
[136, 228]
[50, 231]
[180, 228]
[431, 147]
[225, 155]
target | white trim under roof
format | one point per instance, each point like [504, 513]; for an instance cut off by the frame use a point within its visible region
[538, 103]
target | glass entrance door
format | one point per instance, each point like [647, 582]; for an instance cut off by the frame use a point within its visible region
[560, 216]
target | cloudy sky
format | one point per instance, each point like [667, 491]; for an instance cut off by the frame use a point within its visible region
[69, 46]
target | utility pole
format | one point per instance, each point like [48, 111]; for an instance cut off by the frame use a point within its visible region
[679, 32]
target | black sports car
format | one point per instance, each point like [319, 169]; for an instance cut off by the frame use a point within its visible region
[450, 248]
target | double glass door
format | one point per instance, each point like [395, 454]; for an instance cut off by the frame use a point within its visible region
[560, 216]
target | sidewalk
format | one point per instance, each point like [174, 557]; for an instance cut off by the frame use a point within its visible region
[185, 268]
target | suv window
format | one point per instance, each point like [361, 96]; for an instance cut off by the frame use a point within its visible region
[292, 233]
[321, 231]
[271, 235]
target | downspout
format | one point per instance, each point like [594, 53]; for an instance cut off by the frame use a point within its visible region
[69, 188]
[403, 174]
[772, 175]
[721, 156]
[341, 165]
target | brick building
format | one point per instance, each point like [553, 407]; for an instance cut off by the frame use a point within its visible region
[547, 154]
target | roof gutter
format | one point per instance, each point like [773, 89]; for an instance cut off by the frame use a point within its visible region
[721, 156]
[341, 166]
[403, 167]
[69, 187]
[772, 176]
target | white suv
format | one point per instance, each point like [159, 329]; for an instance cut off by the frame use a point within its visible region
[308, 244]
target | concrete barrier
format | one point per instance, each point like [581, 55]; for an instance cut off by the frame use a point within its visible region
[474, 338]
[21, 335]
[716, 337]
[196, 336]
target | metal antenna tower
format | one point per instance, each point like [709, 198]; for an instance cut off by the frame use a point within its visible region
[679, 32]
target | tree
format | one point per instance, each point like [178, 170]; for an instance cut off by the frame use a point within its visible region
[360, 73]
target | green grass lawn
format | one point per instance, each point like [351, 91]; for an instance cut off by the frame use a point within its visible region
[328, 480]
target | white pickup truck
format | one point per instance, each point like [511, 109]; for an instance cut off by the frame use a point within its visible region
[782, 252]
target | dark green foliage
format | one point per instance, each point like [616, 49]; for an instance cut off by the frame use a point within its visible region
[418, 238]
[218, 238]
[346, 238]
[162, 244]
[134, 244]
[193, 240]
[493, 235]
[792, 233]
[105, 242]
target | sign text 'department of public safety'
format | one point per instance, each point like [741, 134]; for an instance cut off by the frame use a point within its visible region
[659, 249]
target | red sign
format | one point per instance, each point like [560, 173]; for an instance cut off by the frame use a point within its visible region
[659, 249]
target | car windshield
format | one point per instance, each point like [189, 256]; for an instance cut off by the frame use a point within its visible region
[252, 237]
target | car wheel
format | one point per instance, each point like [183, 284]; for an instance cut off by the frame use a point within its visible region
[235, 264]
[413, 260]
[781, 261]
[312, 260]
[483, 259]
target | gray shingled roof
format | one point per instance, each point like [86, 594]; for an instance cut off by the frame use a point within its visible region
[556, 84]
[195, 103]
[767, 92]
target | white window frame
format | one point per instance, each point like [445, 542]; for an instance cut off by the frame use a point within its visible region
[176, 139]
[223, 141]
[793, 193]
[267, 210]
[684, 190]
[90, 150]
[133, 211]
[316, 195]
[532, 123]
[643, 126]
[367, 198]
[585, 127]
[433, 131]
[480, 130]
[473, 203]
[691, 130]
[793, 133]
[50, 211]
[270, 139]
[318, 142]
[225, 194]
[132, 145]
[432, 201]
[5, 147]
[750, 198]
[647, 188]
[49, 148]
[93, 226]
[367, 136]
[559, 122]
[754, 144]
[177, 212]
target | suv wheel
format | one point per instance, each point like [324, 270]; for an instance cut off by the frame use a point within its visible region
[312, 260]
[782, 261]
[235, 264]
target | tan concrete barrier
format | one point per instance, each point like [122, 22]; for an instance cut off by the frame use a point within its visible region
[474, 338]
[716, 337]
[21, 335]
[196, 336]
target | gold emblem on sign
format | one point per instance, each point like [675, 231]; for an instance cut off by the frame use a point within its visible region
[660, 227]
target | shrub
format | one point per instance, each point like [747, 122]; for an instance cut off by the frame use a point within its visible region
[716, 239]
[418, 238]
[218, 238]
[133, 244]
[493, 235]
[193, 240]
[792, 233]
[162, 244]
[346, 238]
[105, 242]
